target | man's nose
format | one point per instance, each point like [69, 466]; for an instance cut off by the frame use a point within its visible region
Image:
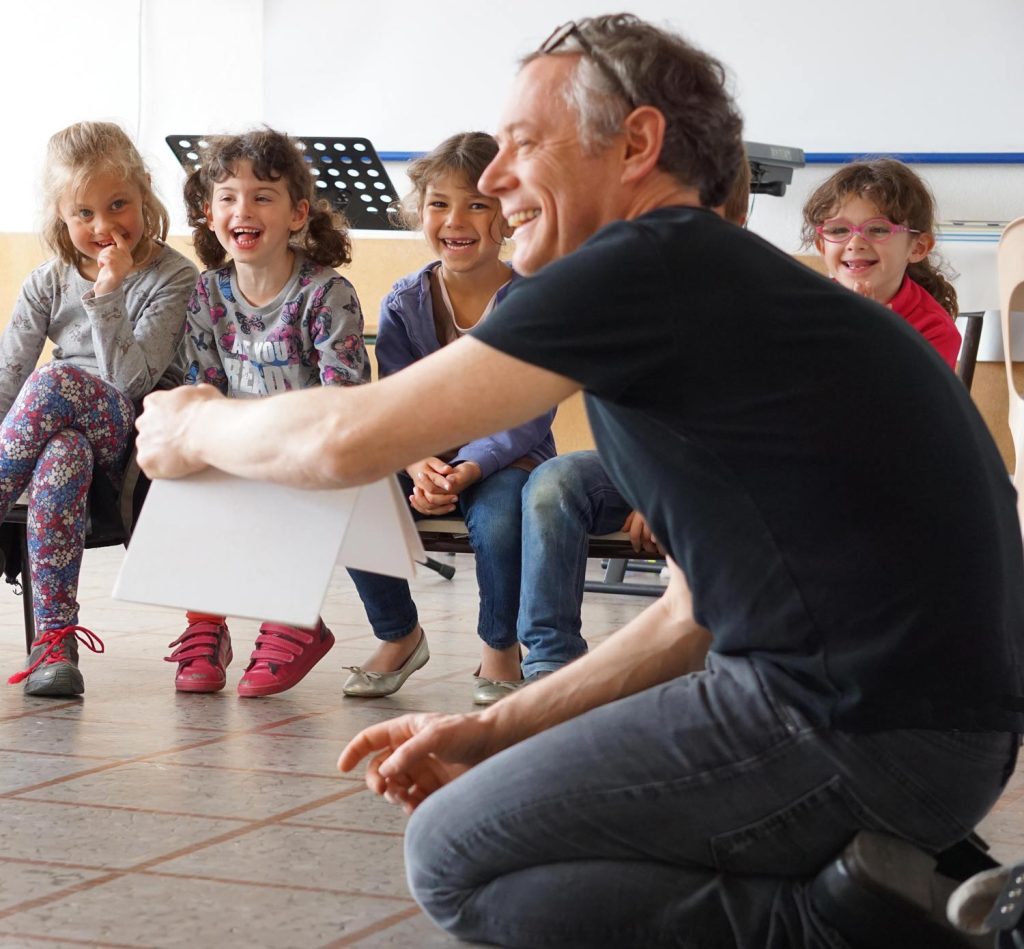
[497, 176]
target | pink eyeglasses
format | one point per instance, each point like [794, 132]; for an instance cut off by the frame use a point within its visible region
[876, 231]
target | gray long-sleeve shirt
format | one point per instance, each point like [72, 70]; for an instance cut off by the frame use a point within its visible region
[129, 338]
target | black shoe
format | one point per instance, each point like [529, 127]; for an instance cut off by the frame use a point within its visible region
[992, 902]
[885, 893]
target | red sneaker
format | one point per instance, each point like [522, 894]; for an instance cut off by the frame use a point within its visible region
[282, 657]
[204, 651]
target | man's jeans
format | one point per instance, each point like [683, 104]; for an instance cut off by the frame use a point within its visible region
[691, 814]
[491, 509]
[566, 499]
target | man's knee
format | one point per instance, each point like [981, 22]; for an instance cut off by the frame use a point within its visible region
[430, 867]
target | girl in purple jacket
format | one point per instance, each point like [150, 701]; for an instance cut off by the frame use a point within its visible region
[481, 481]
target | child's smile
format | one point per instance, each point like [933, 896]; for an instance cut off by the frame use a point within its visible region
[875, 268]
[462, 226]
[252, 218]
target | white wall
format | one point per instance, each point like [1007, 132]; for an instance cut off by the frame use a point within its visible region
[405, 73]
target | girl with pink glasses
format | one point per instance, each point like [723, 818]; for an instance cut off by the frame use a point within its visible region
[873, 224]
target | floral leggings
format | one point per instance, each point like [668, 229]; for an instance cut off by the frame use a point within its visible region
[64, 421]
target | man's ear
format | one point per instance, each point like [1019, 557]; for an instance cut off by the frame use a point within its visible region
[921, 248]
[644, 130]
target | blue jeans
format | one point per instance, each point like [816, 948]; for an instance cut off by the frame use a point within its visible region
[493, 515]
[690, 814]
[566, 499]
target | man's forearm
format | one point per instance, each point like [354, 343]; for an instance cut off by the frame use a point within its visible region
[661, 643]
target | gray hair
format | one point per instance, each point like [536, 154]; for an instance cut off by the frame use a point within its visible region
[703, 144]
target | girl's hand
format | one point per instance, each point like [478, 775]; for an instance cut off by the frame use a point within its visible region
[432, 503]
[640, 535]
[114, 263]
[464, 475]
[431, 493]
[430, 474]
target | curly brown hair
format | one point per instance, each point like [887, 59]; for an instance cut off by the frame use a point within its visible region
[900, 195]
[74, 157]
[273, 156]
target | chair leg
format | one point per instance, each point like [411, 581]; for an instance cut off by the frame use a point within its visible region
[615, 572]
[26, 590]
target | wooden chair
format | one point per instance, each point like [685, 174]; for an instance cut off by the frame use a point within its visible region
[1010, 263]
[111, 517]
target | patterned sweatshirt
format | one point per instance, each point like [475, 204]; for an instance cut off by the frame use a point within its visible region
[310, 334]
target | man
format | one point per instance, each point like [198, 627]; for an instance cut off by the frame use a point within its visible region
[568, 498]
[817, 477]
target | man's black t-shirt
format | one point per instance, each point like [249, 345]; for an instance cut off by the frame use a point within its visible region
[835, 500]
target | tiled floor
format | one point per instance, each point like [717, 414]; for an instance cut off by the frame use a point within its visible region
[142, 817]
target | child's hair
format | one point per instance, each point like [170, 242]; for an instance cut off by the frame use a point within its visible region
[273, 157]
[465, 153]
[737, 201]
[74, 157]
[899, 194]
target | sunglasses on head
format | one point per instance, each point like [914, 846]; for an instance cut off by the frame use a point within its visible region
[570, 29]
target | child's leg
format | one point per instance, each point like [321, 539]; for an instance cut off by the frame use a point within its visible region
[56, 527]
[63, 423]
[203, 653]
[402, 646]
[54, 398]
[493, 512]
[401, 643]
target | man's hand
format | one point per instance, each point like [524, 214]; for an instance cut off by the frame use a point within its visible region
[114, 263]
[640, 535]
[414, 755]
[162, 445]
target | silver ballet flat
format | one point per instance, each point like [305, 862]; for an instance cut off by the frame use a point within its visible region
[375, 685]
[488, 691]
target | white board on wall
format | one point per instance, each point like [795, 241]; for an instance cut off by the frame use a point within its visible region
[944, 76]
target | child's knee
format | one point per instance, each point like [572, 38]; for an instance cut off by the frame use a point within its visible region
[67, 454]
[52, 377]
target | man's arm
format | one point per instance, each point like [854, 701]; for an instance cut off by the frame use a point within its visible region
[330, 437]
[412, 756]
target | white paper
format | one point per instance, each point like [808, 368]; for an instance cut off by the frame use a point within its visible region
[229, 546]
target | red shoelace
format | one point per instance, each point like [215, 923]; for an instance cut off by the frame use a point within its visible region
[54, 640]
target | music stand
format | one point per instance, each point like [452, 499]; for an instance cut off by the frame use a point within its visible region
[348, 173]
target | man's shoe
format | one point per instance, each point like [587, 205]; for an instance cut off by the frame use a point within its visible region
[203, 653]
[52, 667]
[885, 893]
[282, 657]
[375, 685]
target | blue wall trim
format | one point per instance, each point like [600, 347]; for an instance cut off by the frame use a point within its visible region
[840, 158]
[921, 158]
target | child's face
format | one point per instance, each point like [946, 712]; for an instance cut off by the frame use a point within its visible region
[873, 269]
[462, 226]
[254, 219]
[106, 204]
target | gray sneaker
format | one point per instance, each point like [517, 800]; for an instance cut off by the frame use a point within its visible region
[52, 667]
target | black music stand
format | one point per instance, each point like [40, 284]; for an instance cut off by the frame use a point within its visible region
[348, 173]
